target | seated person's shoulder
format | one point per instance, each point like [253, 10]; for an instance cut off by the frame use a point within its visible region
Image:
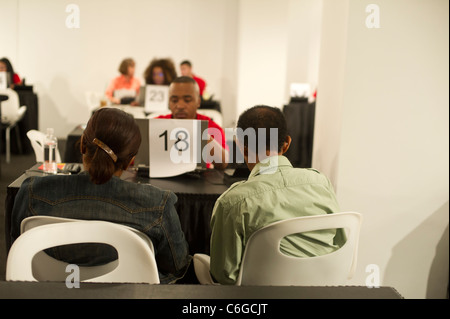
[233, 194]
[309, 175]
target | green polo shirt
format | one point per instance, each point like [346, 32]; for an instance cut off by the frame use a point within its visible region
[274, 191]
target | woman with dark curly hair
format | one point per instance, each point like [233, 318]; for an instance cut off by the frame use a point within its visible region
[160, 72]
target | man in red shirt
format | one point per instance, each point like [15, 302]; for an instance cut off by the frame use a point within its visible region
[186, 70]
[184, 100]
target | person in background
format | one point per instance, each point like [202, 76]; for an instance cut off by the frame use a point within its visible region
[274, 191]
[184, 100]
[126, 80]
[160, 72]
[12, 77]
[109, 144]
[186, 70]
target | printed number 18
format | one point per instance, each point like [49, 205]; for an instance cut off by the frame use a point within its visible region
[182, 140]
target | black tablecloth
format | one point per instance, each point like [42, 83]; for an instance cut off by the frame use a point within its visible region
[300, 116]
[196, 192]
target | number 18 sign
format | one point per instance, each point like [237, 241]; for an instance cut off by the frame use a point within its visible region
[174, 146]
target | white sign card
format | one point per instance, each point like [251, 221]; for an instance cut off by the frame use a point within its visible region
[156, 98]
[121, 93]
[175, 146]
[3, 80]
[300, 90]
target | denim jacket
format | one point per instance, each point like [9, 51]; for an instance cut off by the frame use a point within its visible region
[143, 207]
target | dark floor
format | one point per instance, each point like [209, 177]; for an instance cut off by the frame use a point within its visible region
[9, 173]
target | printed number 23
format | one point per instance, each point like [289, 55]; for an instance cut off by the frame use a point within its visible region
[177, 145]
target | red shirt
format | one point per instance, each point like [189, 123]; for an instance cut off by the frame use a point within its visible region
[201, 84]
[211, 124]
[16, 79]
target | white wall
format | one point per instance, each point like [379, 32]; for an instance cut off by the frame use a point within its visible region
[64, 63]
[392, 155]
[220, 38]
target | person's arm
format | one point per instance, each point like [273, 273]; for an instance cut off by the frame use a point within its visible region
[218, 154]
[226, 244]
[217, 146]
[172, 252]
[20, 209]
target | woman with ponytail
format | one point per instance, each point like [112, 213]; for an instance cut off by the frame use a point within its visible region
[109, 145]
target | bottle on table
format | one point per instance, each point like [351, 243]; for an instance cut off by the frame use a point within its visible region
[50, 146]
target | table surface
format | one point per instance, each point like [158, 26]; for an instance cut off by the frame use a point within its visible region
[44, 290]
[207, 182]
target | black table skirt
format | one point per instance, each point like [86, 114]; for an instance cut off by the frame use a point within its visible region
[197, 194]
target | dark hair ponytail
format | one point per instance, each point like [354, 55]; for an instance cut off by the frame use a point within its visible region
[110, 141]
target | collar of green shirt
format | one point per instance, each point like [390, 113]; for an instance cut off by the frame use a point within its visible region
[270, 165]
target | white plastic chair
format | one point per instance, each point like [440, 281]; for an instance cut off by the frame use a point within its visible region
[28, 262]
[37, 139]
[12, 113]
[264, 264]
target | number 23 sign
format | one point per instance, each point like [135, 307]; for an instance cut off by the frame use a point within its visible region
[156, 98]
[173, 146]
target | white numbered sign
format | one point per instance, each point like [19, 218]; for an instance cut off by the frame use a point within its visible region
[3, 80]
[174, 146]
[156, 98]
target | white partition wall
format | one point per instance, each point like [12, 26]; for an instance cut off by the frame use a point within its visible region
[382, 130]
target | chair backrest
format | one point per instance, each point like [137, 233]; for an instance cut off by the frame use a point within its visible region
[37, 139]
[10, 107]
[264, 264]
[27, 261]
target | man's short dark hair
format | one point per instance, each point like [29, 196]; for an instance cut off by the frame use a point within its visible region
[187, 62]
[184, 79]
[264, 117]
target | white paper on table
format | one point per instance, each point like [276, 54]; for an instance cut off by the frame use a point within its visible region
[300, 90]
[121, 93]
[174, 146]
[3, 80]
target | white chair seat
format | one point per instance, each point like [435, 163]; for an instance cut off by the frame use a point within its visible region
[264, 264]
[27, 261]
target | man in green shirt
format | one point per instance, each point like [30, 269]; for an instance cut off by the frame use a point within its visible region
[274, 191]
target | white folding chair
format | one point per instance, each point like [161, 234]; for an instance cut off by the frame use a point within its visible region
[264, 264]
[37, 139]
[28, 262]
[12, 113]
